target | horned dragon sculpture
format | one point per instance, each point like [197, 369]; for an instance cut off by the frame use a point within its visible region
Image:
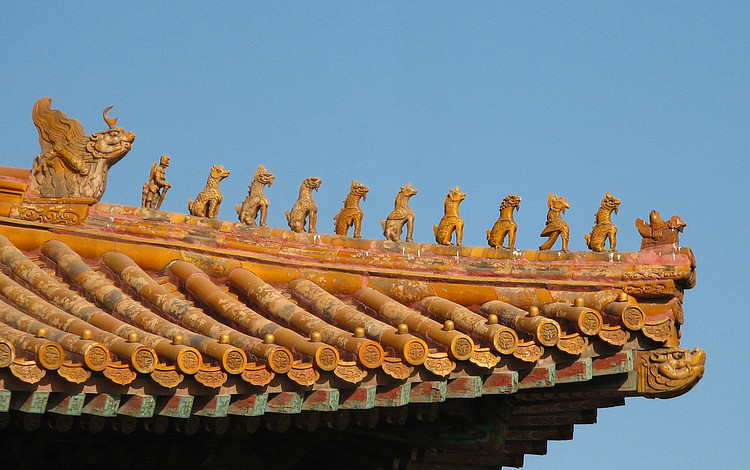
[71, 164]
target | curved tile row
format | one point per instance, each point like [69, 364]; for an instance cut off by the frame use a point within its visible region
[123, 317]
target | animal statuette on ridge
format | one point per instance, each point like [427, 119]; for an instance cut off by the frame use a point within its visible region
[505, 225]
[305, 207]
[71, 164]
[658, 232]
[401, 215]
[603, 226]
[207, 202]
[451, 221]
[156, 188]
[256, 202]
[556, 226]
[351, 214]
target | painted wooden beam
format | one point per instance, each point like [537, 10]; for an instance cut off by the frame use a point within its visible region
[572, 417]
[175, 406]
[614, 364]
[500, 383]
[549, 433]
[248, 405]
[4, 401]
[428, 391]
[64, 404]
[464, 387]
[29, 402]
[392, 395]
[361, 398]
[285, 403]
[578, 371]
[213, 406]
[137, 406]
[102, 404]
[525, 447]
[538, 377]
[321, 400]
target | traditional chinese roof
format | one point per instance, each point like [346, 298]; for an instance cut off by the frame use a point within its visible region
[370, 352]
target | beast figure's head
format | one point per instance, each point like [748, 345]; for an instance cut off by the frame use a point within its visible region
[557, 203]
[511, 200]
[456, 195]
[610, 203]
[312, 182]
[111, 144]
[263, 176]
[218, 173]
[359, 189]
[408, 191]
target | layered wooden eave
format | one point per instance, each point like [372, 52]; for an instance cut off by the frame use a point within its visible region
[154, 315]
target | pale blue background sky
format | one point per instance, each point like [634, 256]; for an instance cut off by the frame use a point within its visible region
[648, 100]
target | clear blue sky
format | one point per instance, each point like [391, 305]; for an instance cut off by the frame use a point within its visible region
[649, 100]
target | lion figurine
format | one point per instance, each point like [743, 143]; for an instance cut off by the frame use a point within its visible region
[305, 207]
[351, 214]
[207, 202]
[451, 221]
[505, 224]
[401, 215]
[256, 202]
[603, 226]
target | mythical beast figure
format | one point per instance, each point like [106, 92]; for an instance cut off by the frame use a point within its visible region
[401, 215]
[305, 207]
[207, 202]
[256, 201]
[555, 225]
[71, 164]
[658, 232]
[603, 226]
[451, 221]
[351, 214]
[505, 224]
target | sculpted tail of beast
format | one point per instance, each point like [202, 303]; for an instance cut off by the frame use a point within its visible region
[505, 224]
[72, 164]
[401, 215]
[207, 202]
[451, 221]
[351, 214]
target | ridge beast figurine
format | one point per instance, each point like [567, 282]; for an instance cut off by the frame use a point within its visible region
[401, 215]
[71, 164]
[351, 214]
[505, 224]
[207, 202]
[658, 232]
[603, 226]
[555, 225]
[305, 207]
[156, 188]
[256, 201]
[451, 221]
